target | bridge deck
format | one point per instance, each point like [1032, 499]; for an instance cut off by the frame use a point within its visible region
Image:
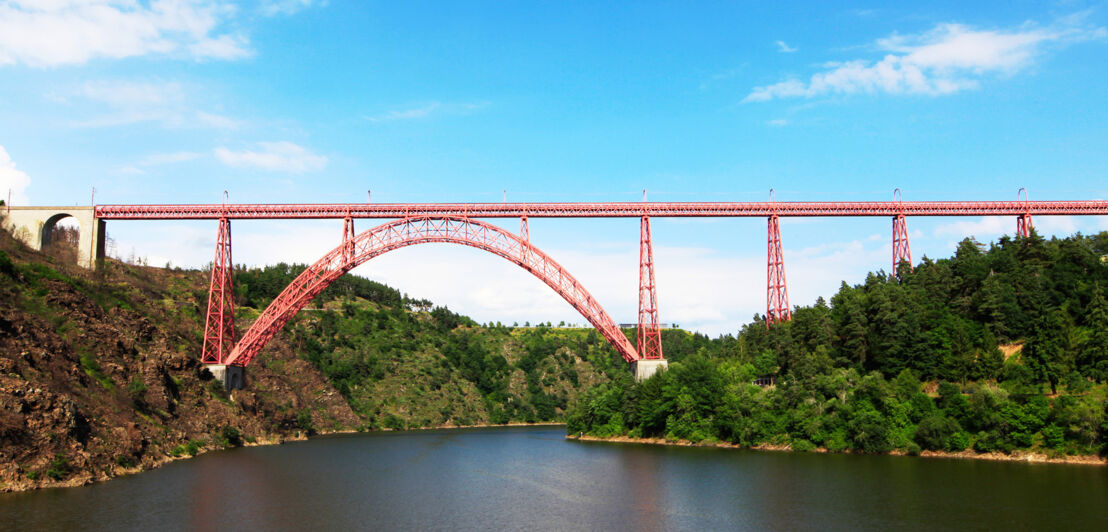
[599, 210]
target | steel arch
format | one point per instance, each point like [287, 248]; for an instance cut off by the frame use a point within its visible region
[420, 230]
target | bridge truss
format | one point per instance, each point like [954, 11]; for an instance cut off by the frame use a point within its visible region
[455, 222]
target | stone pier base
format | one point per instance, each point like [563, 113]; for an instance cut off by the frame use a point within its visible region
[644, 369]
[232, 377]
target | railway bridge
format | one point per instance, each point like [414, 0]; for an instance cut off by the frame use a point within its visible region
[409, 224]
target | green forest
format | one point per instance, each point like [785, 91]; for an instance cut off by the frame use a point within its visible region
[998, 348]
[404, 363]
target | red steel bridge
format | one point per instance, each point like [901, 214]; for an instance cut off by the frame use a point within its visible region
[460, 223]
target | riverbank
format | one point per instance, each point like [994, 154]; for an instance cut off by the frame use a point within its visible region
[86, 478]
[1029, 457]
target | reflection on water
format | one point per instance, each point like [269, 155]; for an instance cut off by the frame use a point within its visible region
[533, 479]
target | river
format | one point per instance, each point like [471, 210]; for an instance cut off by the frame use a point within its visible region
[531, 478]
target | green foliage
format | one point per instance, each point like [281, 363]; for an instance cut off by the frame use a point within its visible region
[936, 432]
[6, 266]
[230, 437]
[256, 287]
[59, 467]
[136, 389]
[92, 368]
[304, 421]
[191, 448]
[848, 375]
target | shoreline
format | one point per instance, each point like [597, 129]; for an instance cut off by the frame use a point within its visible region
[1026, 456]
[87, 478]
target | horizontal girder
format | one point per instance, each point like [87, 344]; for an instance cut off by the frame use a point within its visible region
[600, 210]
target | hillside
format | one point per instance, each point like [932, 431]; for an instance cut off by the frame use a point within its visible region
[99, 371]
[999, 349]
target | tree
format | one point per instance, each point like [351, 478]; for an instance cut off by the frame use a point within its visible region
[1094, 353]
[1047, 352]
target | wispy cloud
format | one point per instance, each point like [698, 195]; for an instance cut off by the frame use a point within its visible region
[426, 110]
[128, 102]
[217, 121]
[67, 32]
[272, 8]
[12, 179]
[947, 59]
[158, 159]
[778, 122]
[784, 48]
[274, 157]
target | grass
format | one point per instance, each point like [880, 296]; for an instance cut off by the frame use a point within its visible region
[191, 448]
[92, 369]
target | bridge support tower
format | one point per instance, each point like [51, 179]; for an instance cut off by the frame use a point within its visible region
[777, 293]
[219, 327]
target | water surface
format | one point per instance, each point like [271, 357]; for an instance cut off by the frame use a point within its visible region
[533, 479]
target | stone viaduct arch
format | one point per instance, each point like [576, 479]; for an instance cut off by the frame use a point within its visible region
[34, 225]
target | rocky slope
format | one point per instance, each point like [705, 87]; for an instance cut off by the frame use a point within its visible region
[99, 375]
[100, 372]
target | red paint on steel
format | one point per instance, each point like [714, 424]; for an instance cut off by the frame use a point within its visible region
[901, 251]
[1023, 220]
[420, 230]
[649, 335]
[348, 238]
[219, 326]
[602, 210]
[1023, 225]
[777, 295]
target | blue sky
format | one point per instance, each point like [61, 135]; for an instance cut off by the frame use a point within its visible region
[306, 101]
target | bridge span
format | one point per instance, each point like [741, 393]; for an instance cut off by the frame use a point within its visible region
[458, 223]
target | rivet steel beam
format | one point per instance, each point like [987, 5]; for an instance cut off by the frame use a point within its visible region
[602, 210]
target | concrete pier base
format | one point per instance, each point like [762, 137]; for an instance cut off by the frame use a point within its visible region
[644, 369]
[232, 377]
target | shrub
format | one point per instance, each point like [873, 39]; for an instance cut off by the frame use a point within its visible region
[803, 445]
[304, 421]
[59, 467]
[934, 432]
[1053, 436]
[230, 437]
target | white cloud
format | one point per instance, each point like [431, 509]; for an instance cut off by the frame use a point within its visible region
[991, 227]
[286, 7]
[983, 229]
[12, 180]
[225, 47]
[778, 122]
[275, 157]
[427, 110]
[217, 121]
[65, 32]
[698, 288]
[119, 103]
[784, 48]
[158, 159]
[947, 59]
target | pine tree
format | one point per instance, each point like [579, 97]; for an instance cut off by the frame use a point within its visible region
[1094, 354]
